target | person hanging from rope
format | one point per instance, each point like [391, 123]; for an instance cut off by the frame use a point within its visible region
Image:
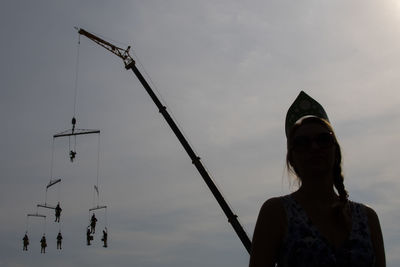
[58, 212]
[88, 236]
[93, 221]
[73, 124]
[43, 244]
[59, 239]
[72, 155]
[26, 241]
[105, 236]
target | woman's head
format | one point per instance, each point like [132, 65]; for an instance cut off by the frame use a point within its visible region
[312, 149]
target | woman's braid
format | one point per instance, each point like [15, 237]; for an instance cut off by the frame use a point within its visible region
[338, 176]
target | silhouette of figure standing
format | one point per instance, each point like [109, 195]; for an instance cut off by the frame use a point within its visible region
[58, 212]
[43, 244]
[59, 239]
[25, 241]
[72, 155]
[105, 236]
[93, 221]
[88, 236]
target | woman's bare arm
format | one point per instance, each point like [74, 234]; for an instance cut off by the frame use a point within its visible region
[268, 234]
[377, 238]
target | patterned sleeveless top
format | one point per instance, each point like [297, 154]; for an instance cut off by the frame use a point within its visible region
[304, 246]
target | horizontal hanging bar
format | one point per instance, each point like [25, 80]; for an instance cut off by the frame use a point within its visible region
[53, 182]
[36, 215]
[46, 206]
[70, 133]
[98, 207]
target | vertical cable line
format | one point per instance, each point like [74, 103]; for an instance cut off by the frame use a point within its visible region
[96, 187]
[26, 228]
[98, 166]
[76, 73]
[44, 226]
[52, 160]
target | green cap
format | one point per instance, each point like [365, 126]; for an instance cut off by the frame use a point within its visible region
[304, 105]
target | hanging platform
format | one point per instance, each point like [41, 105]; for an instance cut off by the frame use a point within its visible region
[36, 215]
[53, 182]
[46, 206]
[76, 132]
[98, 207]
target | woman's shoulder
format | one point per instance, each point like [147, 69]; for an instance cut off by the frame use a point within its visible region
[376, 234]
[273, 208]
[369, 211]
[372, 216]
[273, 203]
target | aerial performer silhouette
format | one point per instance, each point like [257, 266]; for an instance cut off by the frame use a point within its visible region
[72, 155]
[43, 244]
[58, 212]
[105, 236]
[59, 240]
[93, 221]
[89, 237]
[25, 241]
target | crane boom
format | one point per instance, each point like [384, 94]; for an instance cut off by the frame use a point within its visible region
[122, 53]
[130, 64]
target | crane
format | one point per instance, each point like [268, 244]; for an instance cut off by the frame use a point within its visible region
[130, 64]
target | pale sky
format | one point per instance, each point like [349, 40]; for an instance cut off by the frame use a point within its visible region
[227, 71]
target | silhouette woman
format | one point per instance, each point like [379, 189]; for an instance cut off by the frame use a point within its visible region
[315, 226]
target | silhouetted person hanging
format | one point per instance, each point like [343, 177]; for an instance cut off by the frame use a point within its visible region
[93, 221]
[105, 236]
[43, 244]
[72, 155]
[26, 242]
[88, 236]
[58, 212]
[59, 239]
[73, 124]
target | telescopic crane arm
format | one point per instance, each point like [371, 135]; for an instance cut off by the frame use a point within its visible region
[122, 53]
[130, 64]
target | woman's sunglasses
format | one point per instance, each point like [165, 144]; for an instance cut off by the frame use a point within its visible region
[323, 141]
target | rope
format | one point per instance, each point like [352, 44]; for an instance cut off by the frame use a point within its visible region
[27, 222]
[44, 226]
[45, 198]
[76, 74]
[105, 218]
[52, 160]
[94, 195]
[98, 167]
[59, 192]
